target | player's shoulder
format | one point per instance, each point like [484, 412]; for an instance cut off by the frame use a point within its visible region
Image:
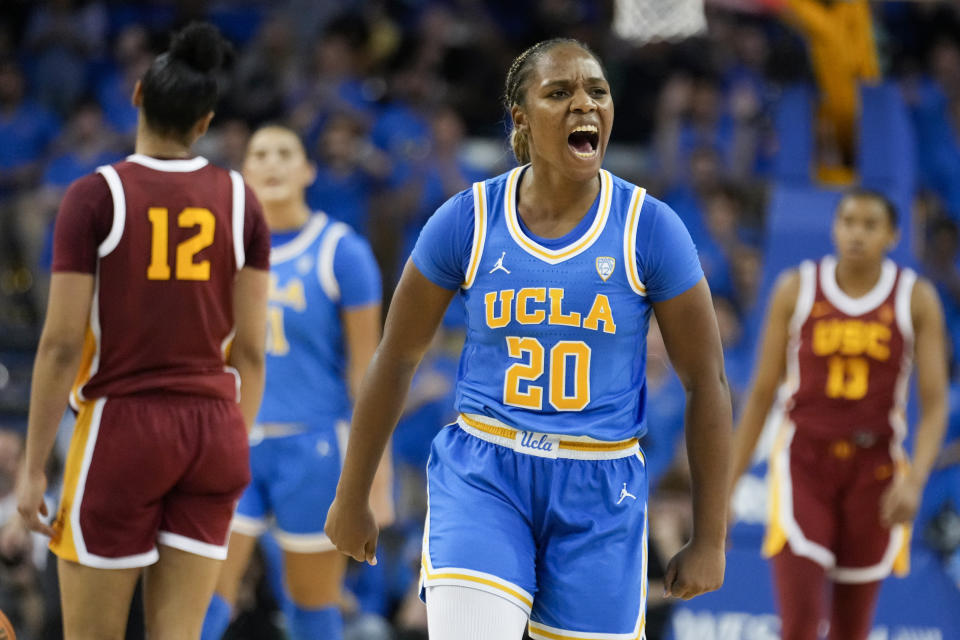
[497, 181]
[90, 190]
[786, 288]
[341, 238]
[651, 207]
[331, 226]
[622, 186]
[788, 280]
[654, 218]
[924, 298]
[90, 183]
[624, 189]
[906, 270]
[340, 233]
[458, 207]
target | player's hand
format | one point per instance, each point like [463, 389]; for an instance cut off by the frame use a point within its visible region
[15, 539]
[697, 568]
[352, 528]
[30, 502]
[899, 502]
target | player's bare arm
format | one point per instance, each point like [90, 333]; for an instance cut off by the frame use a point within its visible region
[361, 329]
[415, 313]
[769, 372]
[690, 333]
[247, 351]
[58, 358]
[899, 504]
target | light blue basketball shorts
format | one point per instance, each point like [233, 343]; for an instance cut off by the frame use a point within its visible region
[294, 479]
[556, 525]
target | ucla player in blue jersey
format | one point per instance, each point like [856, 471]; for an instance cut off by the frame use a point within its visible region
[537, 494]
[323, 326]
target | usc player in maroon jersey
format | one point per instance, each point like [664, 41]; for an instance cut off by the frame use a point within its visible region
[157, 313]
[841, 339]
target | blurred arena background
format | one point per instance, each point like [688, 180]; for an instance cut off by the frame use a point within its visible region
[747, 116]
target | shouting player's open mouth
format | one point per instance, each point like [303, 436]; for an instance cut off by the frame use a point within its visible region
[584, 141]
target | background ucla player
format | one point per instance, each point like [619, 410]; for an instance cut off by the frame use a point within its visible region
[537, 495]
[323, 325]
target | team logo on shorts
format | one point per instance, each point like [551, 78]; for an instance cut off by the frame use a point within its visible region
[605, 265]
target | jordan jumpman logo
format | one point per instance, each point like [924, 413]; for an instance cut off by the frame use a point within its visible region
[625, 494]
[499, 264]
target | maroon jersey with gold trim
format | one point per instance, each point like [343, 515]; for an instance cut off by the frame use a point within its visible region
[849, 359]
[164, 240]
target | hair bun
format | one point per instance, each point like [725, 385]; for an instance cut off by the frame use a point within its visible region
[200, 46]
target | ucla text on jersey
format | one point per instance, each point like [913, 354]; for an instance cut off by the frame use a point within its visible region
[556, 335]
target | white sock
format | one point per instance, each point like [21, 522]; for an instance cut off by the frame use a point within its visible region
[462, 613]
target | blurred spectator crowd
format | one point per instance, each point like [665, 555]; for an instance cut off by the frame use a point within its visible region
[399, 104]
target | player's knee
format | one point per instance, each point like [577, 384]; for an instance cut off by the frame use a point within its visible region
[313, 593]
[314, 580]
[315, 597]
[108, 625]
[95, 632]
[228, 585]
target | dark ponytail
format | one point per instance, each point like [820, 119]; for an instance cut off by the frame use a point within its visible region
[180, 87]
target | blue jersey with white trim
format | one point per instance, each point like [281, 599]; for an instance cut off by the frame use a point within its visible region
[306, 363]
[556, 329]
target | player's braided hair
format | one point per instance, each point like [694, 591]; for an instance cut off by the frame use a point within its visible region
[180, 87]
[516, 86]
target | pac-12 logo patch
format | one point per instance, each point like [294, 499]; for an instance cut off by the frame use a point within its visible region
[304, 264]
[605, 265]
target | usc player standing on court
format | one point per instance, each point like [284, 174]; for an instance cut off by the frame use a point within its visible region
[842, 335]
[157, 311]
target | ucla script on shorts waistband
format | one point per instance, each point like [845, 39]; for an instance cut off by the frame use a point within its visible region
[546, 445]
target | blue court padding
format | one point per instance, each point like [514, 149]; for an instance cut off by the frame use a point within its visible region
[887, 154]
[797, 228]
[793, 123]
[799, 219]
[922, 605]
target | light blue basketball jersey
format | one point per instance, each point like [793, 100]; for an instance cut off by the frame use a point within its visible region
[556, 329]
[306, 362]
